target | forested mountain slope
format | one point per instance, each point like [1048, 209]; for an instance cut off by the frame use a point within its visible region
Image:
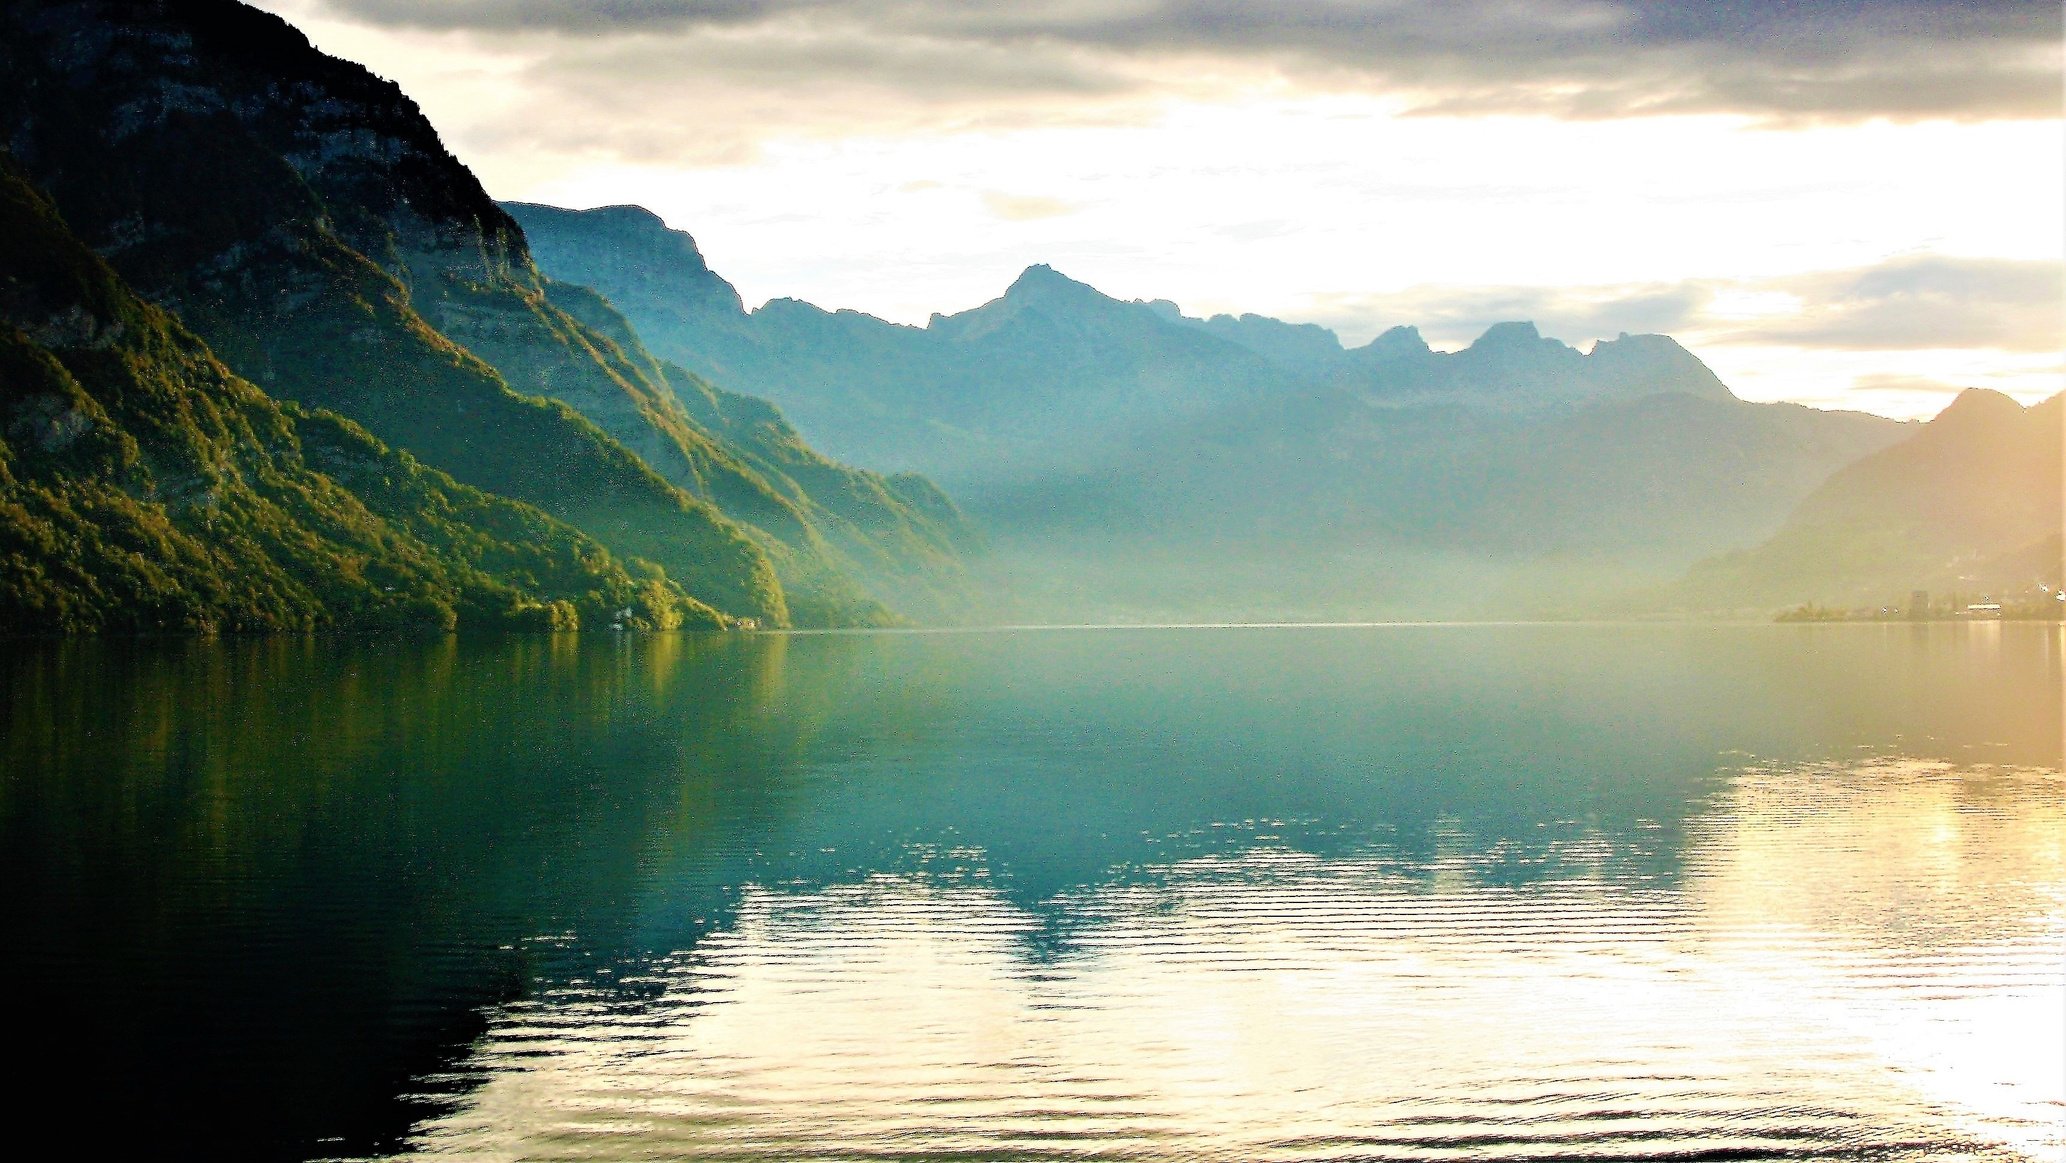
[301, 215]
[144, 487]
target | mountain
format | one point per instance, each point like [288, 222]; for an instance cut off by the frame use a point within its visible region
[302, 217]
[896, 533]
[1970, 504]
[1052, 370]
[1045, 374]
[1131, 461]
[1512, 366]
[1300, 348]
[1325, 506]
[145, 487]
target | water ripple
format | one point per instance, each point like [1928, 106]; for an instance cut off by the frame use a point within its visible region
[1861, 963]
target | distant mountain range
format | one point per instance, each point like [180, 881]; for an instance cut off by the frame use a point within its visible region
[1130, 461]
[300, 216]
[271, 358]
[1052, 367]
[1967, 508]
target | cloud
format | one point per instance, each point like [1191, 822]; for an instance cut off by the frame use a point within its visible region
[1900, 384]
[1912, 303]
[716, 92]
[1784, 60]
[1923, 302]
[1453, 316]
[1024, 208]
[1901, 394]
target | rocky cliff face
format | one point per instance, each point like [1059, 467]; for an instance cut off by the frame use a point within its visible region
[146, 488]
[631, 251]
[303, 217]
[207, 85]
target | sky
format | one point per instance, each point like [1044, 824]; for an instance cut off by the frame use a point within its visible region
[1849, 204]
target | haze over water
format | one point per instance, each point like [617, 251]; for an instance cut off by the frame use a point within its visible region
[1625, 892]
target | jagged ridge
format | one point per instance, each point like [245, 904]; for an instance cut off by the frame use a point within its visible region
[1130, 460]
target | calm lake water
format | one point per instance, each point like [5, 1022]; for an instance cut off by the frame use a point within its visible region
[1387, 893]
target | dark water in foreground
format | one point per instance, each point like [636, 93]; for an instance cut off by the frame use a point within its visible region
[1379, 893]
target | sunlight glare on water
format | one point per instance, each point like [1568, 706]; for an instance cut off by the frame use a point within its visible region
[1863, 960]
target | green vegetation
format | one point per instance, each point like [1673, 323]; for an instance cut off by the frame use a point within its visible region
[145, 488]
[362, 350]
[1132, 463]
[301, 216]
[839, 536]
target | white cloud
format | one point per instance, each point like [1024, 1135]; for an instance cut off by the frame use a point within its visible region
[913, 157]
[1826, 59]
[1899, 337]
[1025, 207]
[1923, 302]
[1908, 384]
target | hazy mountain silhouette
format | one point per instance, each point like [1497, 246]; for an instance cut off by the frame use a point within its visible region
[1133, 461]
[1969, 504]
[1036, 376]
[1051, 368]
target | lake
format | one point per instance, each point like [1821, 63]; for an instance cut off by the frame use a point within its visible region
[1294, 893]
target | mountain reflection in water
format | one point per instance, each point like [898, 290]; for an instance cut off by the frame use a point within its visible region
[1397, 892]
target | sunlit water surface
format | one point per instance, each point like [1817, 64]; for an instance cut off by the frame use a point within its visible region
[1377, 893]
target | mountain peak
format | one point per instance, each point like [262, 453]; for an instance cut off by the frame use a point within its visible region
[1040, 290]
[1978, 407]
[1976, 416]
[1398, 342]
[634, 225]
[1041, 278]
[1642, 365]
[624, 247]
[1508, 335]
[628, 215]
